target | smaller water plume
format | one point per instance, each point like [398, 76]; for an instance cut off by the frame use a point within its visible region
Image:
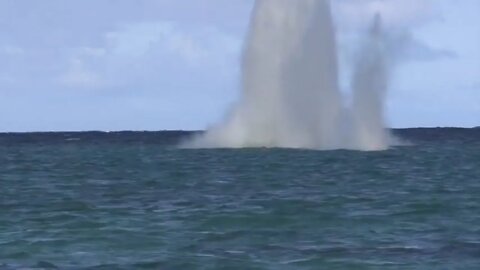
[370, 84]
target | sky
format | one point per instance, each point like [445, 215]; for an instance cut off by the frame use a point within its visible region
[174, 64]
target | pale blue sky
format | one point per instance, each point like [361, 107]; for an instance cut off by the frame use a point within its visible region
[173, 64]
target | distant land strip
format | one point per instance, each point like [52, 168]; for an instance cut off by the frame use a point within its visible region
[176, 136]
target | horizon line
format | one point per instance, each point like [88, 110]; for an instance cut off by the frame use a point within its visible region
[192, 130]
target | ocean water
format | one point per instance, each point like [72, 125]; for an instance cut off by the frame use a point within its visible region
[134, 201]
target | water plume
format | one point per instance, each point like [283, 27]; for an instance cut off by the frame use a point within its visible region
[370, 83]
[291, 96]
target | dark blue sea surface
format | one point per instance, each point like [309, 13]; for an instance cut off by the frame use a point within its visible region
[134, 201]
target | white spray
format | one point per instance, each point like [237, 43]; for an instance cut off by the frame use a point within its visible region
[290, 95]
[370, 83]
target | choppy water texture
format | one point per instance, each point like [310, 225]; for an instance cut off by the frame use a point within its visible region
[132, 201]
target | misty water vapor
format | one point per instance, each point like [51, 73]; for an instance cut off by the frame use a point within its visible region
[291, 96]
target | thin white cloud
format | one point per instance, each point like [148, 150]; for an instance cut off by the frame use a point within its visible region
[92, 51]
[419, 51]
[154, 58]
[11, 50]
[78, 76]
[195, 45]
[5, 79]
